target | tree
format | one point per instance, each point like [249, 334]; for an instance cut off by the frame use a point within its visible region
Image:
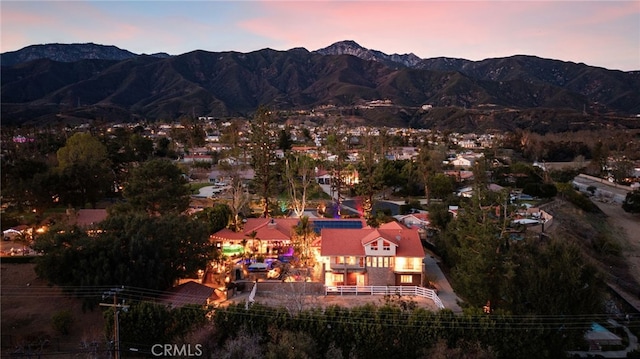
[82, 148]
[244, 345]
[216, 218]
[132, 250]
[441, 186]
[576, 288]
[622, 170]
[145, 324]
[429, 162]
[290, 345]
[631, 202]
[263, 156]
[473, 248]
[336, 145]
[157, 187]
[61, 321]
[163, 148]
[84, 165]
[370, 182]
[304, 236]
[284, 140]
[299, 171]
[239, 194]
[28, 182]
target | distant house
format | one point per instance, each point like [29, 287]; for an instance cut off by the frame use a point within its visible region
[467, 159]
[197, 158]
[323, 176]
[223, 178]
[349, 176]
[462, 161]
[389, 255]
[460, 175]
[414, 220]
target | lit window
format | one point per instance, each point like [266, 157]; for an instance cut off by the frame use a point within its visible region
[406, 279]
[338, 279]
[339, 260]
[408, 264]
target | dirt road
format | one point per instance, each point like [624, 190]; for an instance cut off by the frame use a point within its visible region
[629, 225]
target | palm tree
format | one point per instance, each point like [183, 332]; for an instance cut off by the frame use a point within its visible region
[304, 235]
[254, 237]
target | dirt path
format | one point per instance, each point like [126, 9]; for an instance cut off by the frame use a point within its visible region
[629, 225]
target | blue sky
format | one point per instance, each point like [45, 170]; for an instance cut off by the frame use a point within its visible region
[598, 33]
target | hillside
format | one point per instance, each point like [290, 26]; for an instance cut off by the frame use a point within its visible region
[88, 81]
[26, 329]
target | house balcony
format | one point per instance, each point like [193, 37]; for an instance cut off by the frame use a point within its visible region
[408, 265]
[347, 263]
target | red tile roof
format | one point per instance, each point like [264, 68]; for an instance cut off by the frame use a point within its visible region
[351, 242]
[267, 229]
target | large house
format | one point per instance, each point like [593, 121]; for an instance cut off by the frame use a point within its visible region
[389, 255]
[270, 236]
[349, 252]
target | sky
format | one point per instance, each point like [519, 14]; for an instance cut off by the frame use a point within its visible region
[597, 33]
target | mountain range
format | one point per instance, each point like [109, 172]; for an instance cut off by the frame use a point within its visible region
[44, 83]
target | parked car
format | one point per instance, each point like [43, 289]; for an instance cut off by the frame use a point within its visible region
[258, 267]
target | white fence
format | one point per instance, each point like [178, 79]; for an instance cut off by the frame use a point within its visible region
[385, 290]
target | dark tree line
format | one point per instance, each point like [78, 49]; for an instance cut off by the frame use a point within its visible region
[145, 241]
[131, 250]
[391, 332]
[522, 275]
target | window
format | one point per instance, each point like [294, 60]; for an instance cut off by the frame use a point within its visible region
[406, 279]
[338, 279]
[374, 245]
[408, 264]
[339, 260]
[380, 262]
[386, 246]
[351, 261]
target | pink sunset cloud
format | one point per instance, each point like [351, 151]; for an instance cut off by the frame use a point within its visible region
[473, 30]
[398, 26]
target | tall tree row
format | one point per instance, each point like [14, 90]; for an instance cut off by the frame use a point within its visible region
[263, 157]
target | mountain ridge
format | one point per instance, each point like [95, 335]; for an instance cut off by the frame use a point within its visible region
[344, 74]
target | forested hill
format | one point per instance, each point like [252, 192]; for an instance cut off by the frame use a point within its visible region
[88, 81]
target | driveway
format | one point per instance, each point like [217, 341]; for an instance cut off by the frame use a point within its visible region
[448, 297]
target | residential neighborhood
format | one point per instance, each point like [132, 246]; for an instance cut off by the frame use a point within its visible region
[315, 216]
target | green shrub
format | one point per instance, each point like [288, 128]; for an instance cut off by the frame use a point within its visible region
[62, 321]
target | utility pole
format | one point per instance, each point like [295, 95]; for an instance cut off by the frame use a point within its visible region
[116, 325]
